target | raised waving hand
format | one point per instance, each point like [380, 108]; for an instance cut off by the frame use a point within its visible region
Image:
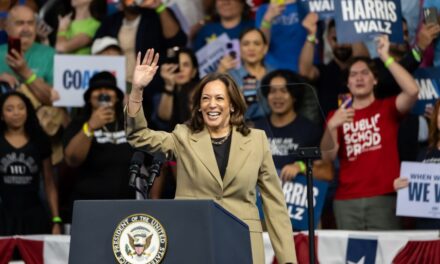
[144, 71]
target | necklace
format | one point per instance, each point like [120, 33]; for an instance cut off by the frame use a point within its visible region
[219, 141]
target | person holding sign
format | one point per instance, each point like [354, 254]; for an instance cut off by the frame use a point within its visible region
[410, 58]
[232, 18]
[331, 73]
[429, 155]
[279, 20]
[364, 138]
[218, 156]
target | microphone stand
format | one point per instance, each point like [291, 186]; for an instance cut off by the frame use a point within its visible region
[142, 186]
[145, 180]
[309, 154]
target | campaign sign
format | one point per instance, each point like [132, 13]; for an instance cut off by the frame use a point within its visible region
[428, 80]
[73, 72]
[358, 20]
[324, 8]
[295, 193]
[422, 196]
[209, 56]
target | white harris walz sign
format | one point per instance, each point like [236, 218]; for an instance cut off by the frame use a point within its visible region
[72, 74]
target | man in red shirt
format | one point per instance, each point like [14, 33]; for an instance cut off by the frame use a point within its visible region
[364, 138]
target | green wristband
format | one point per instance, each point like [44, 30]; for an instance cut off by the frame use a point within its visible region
[31, 79]
[302, 166]
[161, 8]
[311, 39]
[389, 61]
[266, 24]
[57, 220]
[416, 54]
[61, 33]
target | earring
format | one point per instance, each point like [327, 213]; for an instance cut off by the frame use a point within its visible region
[200, 110]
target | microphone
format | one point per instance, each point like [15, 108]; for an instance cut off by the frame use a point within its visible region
[135, 167]
[154, 169]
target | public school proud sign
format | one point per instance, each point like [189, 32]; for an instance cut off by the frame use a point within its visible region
[362, 20]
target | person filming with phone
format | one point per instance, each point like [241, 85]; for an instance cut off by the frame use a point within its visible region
[95, 144]
[181, 76]
[431, 12]
[24, 60]
[364, 138]
[253, 49]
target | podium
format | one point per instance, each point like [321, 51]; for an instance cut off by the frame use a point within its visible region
[197, 231]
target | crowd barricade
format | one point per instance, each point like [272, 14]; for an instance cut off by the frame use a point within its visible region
[341, 246]
[332, 246]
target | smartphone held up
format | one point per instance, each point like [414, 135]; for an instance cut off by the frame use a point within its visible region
[345, 97]
[14, 44]
[173, 57]
[431, 15]
[104, 100]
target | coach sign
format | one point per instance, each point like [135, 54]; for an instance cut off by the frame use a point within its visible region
[362, 20]
[72, 74]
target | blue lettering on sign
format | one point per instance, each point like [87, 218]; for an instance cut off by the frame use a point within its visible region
[437, 192]
[77, 79]
[416, 190]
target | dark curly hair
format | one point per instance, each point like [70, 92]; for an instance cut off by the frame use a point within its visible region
[293, 83]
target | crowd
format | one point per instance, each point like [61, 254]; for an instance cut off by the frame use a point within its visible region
[300, 85]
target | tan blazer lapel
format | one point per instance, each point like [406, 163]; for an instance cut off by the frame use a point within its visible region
[201, 142]
[238, 154]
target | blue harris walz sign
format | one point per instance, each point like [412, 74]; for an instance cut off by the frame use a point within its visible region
[324, 8]
[295, 193]
[428, 80]
[361, 20]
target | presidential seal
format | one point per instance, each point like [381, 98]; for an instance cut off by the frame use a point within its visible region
[139, 239]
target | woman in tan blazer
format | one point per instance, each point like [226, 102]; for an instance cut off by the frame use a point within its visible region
[218, 156]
